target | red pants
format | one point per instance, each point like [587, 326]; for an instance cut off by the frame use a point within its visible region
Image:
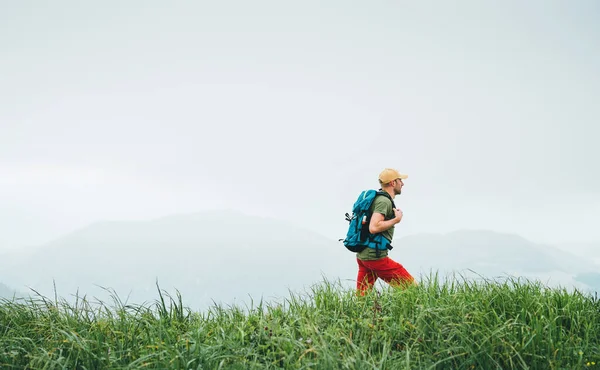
[387, 269]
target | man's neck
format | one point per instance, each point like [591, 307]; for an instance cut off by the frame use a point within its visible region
[390, 192]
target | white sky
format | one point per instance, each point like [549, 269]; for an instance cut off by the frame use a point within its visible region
[134, 111]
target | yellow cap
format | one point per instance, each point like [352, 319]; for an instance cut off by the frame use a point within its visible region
[390, 174]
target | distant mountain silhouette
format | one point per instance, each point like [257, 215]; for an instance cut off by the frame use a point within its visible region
[221, 255]
[230, 257]
[6, 292]
[491, 254]
[587, 250]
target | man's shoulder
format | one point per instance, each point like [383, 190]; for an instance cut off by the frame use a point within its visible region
[382, 199]
[382, 202]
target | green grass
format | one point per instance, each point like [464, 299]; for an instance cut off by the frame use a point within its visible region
[455, 324]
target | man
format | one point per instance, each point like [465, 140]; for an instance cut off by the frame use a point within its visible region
[374, 264]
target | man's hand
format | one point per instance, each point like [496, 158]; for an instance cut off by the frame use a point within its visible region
[398, 214]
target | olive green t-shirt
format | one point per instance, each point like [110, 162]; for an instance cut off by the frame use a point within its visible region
[382, 205]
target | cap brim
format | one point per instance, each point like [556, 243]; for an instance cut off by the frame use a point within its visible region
[403, 176]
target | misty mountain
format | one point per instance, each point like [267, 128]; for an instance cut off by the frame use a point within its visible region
[6, 292]
[587, 250]
[493, 254]
[208, 256]
[592, 279]
[229, 257]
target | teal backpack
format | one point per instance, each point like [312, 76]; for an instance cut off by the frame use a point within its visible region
[358, 236]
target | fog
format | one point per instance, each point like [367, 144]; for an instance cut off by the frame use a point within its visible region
[136, 111]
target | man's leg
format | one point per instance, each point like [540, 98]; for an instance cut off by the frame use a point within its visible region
[391, 272]
[365, 279]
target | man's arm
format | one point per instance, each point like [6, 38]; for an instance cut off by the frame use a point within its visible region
[378, 223]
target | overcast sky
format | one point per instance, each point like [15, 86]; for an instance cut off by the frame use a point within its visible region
[136, 110]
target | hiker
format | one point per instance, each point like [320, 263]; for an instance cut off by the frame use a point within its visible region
[374, 263]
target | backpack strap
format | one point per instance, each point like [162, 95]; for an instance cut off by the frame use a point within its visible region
[387, 195]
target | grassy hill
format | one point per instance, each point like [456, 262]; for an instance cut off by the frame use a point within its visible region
[457, 324]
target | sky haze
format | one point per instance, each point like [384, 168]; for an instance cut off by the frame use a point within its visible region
[137, 110]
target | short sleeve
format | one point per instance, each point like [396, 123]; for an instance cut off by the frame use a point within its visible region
[384, 206]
